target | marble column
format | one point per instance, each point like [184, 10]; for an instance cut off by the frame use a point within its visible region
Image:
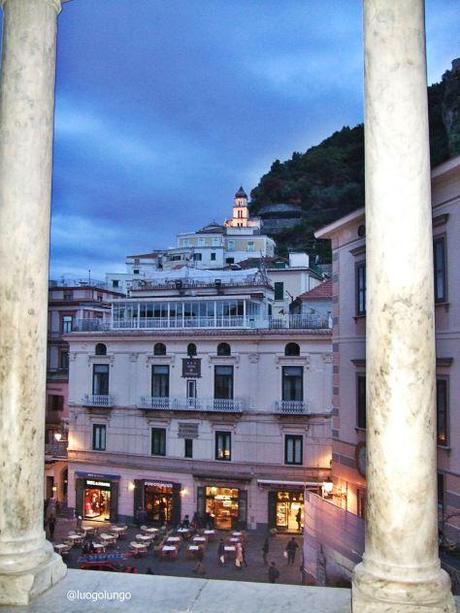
[28, 564]
[400, 571]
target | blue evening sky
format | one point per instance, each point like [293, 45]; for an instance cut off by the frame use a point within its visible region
[163, 108]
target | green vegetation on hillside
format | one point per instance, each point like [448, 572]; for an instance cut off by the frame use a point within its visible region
[327, 181]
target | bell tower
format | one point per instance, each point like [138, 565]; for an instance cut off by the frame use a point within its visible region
[240, 215]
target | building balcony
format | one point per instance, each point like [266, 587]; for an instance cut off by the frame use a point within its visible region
[56, 450]
[292, 407]
[283, 322]
[97, 401]
[211, 405]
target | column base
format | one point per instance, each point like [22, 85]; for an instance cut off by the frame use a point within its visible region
[376, 594]
[19, 589]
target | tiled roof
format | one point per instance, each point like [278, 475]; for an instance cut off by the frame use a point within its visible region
[323, 290]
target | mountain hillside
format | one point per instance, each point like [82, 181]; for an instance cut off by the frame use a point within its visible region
[327, 181]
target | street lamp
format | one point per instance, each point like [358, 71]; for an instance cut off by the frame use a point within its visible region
[327, 488]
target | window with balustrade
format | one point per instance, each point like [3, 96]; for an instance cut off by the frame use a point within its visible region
[100, 379]
[292, 384]
[223, 382]
[160, 381]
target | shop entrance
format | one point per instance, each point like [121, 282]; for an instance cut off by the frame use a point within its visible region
[222, 504]
[96, 500]
[287, 507]
[158, 500]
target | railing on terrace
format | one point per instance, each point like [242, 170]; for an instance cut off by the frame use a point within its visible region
[220, 405]
[97, 400]
[292, 407]
[300, 322]
[58, 449]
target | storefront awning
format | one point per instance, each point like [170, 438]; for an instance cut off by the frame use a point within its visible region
[220, 478]
[271, 482]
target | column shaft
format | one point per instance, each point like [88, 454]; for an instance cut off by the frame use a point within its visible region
[27, 562]
[401, 568]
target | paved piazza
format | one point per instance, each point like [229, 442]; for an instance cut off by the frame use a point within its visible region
[182, 567]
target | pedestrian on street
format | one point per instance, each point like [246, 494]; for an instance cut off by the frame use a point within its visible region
[265, 550]
[243, 551]
[51, 526]
[298, 519]
[291, 549]
[199, 568]
[221, 552]
[239, 559]
[273, 573]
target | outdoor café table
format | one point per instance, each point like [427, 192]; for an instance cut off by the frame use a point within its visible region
[173, 539]
[182, 530]
[192, 550]
[237, 534]
[234, 539]
[118, 529]
[169, 551]
[144, 539]
[229, 548]
[75, 538]
[109, 539]
[147, 530]
[138, 547]
[99, 547]
[209, 533]
[60, 548]
[199, 539]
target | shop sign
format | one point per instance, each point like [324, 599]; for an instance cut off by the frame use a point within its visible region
[187, 430]
[158, 484]
[80, 473]
[191, 368]
[97, 483]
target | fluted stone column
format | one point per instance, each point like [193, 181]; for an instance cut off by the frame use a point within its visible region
[28, 564]
[400, 570]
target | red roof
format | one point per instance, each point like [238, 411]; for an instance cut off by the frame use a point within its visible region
[323, 290]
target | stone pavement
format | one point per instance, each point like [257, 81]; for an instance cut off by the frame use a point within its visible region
[181, 567]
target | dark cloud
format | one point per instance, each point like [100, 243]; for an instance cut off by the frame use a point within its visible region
[164, 108]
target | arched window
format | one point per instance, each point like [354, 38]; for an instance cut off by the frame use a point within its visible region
[292, 349]
[191, 349]
[159, 349]
[101, 349]
[223, 349]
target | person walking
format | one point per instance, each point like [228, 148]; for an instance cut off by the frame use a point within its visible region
[265, 550]
[199, 568]
[239, 559]
[243, 551]
[291, 549]
[273, 573]
[298, 519]
[51, 526]
[221, 552]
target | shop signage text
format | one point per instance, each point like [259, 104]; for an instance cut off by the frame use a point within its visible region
[158, 484]
[187, 430]
[97, 483]
[191, 368]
